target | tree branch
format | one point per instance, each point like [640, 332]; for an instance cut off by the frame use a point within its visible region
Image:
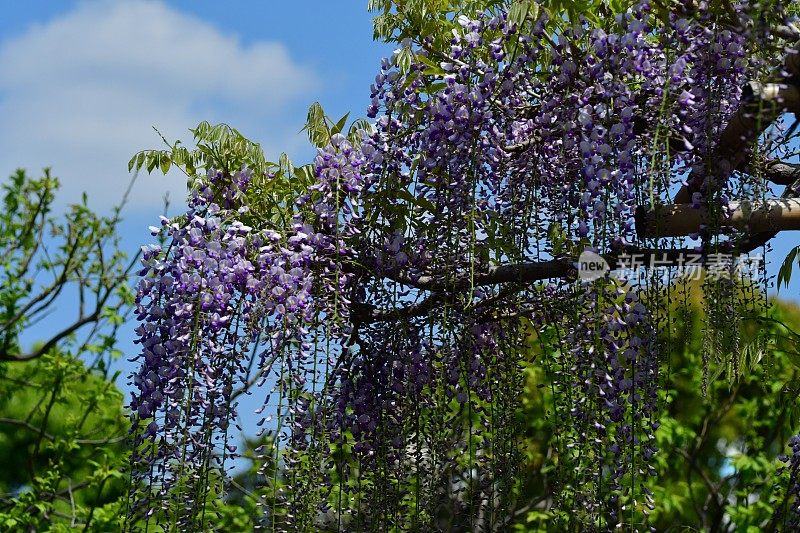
[52, 438]
[678, 220]
[779, 172]
[520, 273]
[79, 323]
[56, 338]
[762, 104]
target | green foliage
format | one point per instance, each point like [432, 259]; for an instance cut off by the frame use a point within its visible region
[416, 19]
[727, 440]
[718, 467]
[42, 258]
[63, 426]
[321, 128]
[274, 189]
[785, 272]
[63, 440]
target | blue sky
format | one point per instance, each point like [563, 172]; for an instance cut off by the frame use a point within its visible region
[82, 83]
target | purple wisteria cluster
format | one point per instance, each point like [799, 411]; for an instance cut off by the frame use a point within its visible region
[204, 301]
[511, 140]
[189, 300]
[613, 362]
[793, 486]
[376, 314]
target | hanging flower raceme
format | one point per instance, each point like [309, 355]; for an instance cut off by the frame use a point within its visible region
[190, 300]
[510, 141]
[202, 302]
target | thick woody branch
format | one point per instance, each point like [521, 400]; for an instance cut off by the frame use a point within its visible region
[443, 291]
[763, 104]
[756, 240]
[678, 220]
[522, 146]
[778, 172]
[525, 272]
[789, 32]
[521, 274]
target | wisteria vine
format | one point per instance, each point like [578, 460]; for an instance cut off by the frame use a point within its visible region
[387, 315]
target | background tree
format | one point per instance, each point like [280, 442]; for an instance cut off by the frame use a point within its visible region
[61, 421]
[718, 466]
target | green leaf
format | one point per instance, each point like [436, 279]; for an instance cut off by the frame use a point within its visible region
[431, 68]
[785, 272]
[403, 59]
[793, 357]
[153, 161]
[521, 10]
[419, 201]
[339, 126]
[558, 239]
[316, 126]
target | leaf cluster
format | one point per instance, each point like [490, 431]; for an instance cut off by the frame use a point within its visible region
[63, 426]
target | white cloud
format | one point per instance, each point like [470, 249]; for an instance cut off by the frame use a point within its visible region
[81, 93]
